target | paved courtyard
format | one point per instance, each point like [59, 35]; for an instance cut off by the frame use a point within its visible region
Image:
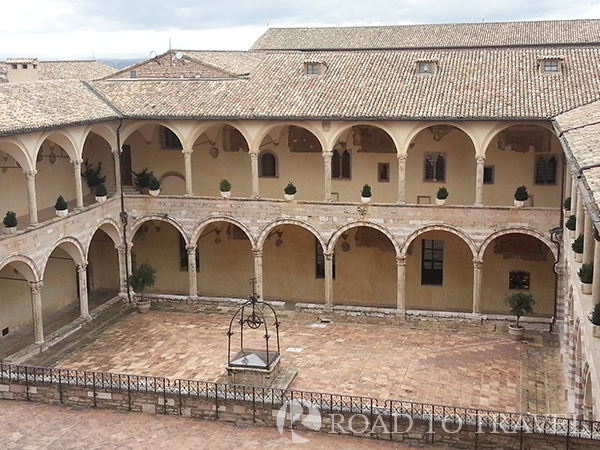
[464, 368]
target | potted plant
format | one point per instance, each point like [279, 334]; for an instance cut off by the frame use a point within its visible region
[567, 204]
[61, 207]
[570, 225]
[154, 186]
[10, 223]
[577, 247]
[142, 180]
[141, 278]
[595, 319]
[586, 275]
[365, 194]
[92, 174]
[520, 304]
[441, 196]
[521, 196]
[289, 191]
[225, 188]
[100, 193]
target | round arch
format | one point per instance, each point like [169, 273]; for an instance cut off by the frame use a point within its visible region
[279, 222]
[494, 131]
[64, 139]
[458, 125]
[25, 265]
[382, 126]
[70, 245]
[204, 127]
[18, 151]
[439, 227]
[111, 228]
[133, 228]
[340, 231]
[307, 126]
[517, 230]
[202, 225]
[109, 134]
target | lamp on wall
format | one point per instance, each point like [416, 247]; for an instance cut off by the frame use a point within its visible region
[279, 233]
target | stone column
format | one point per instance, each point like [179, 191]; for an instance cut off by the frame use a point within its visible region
[596, 278]
[580, 219]
[401, 283]
[78, 184]
[327, 161]
[36, 304]
[328, 278]
[122, 255]
[401, 178]
[567, 182]
[573, 198]
[193, 279]
[588, 239]
[84, 309]
[31, 197]
[479, 180]
[117, 158]
[254, 167]
[258, 254]
[187, 160]
[477, 282]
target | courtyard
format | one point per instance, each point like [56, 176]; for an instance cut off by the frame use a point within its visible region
[467, 367]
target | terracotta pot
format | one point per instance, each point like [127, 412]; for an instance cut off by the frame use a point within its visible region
[519, 203]
[586, 288]
[578, 257]
[289, 197]
[143, 306]
[154, 192]
[9, 230]
[440, 201]
[365, 199]
[100, 198]
[225, 194]
[596, 330]
[516, 333]
[62, 212]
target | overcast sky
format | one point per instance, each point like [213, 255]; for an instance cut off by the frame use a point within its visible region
[73, 29]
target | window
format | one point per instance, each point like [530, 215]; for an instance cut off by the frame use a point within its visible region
[426, 67]
[170, 140]
[312, 69]
[132, 74]
[340, 165]
[488, 175]
[24, 66]
[383, 172]
[268, 165]
[432, 262]
[183, 256]
[545, 170]
[14, 66]
[518, 279]
[435, 167]
[320, 261]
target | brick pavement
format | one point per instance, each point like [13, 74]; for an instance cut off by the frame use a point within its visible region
[468, 369]
[46, 427]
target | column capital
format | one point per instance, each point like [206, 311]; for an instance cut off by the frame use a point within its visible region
[402, 157]
[257, 252]
[327, 154]
[328, 255]
[76, 162]
[478, 264]
[191, 249]
[121, 249]
[187, 153]
[81, 266]
[36, 286]
[254, 155]
[30, 174]
[401, 260]
[480, 159]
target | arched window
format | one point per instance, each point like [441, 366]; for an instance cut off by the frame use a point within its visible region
[435, 167]
[545, 170]
[341, 167]
[268, 165]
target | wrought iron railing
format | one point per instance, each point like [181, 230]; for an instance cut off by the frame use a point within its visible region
[497, 421]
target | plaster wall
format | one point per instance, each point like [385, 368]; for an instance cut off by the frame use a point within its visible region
[53, 180]
[103, 263]
[60, 282]
[15, 302]
[13, 188]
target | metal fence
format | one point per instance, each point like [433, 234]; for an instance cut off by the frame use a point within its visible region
[447, 416]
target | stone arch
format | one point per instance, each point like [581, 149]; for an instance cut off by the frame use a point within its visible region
[111, 227]
[421, 127]
[25, 265]
[172, 173]
[70, 245]
[363, 223]
[64, 139]
[439, 227]
[262, 134]
[494, 131]
[130, 128]
[18, 151]
[133, 228]
[108, 133]
[204, 127]
[381, 125]
[517, 230]
[280, 222]
[203, 224]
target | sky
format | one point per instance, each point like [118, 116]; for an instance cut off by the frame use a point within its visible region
[86, 29]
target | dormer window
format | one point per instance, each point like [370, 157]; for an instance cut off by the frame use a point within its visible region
[426, 67]
[314, 68]
[551, 66]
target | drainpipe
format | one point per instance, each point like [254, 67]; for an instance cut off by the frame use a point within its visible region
[123, 214]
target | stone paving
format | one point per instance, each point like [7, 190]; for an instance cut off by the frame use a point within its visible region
[45, 427]
[469, 369]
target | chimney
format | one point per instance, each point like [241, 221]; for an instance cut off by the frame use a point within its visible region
[22, 70]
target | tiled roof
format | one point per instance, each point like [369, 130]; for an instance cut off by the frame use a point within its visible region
[234, 62]
[492, 34]
[73, 70]
[48, 104]
[377, 85]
